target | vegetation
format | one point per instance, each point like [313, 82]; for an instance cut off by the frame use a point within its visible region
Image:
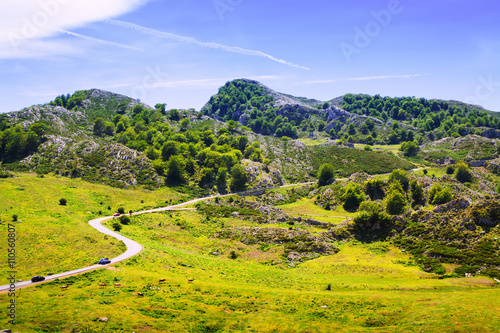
[325, 174]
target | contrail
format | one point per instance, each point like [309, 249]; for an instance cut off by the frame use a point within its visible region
[191, 40]
[100, 40]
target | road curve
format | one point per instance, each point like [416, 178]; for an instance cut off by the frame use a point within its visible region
[133, 248]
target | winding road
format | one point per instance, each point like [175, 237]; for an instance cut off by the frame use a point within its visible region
[133, 248]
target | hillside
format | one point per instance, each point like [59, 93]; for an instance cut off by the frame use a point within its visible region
[388, 242]
[83, 134]
[353, 118]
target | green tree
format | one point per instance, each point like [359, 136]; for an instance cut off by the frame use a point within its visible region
[375, 189]
[439, 195]
[222, 180]
[62, 202]
[176, 173]
[463, 173]
[351, 196]
[325, 174]
[238, 178]
[417, 192]
[396, 199]
[409, 148]
[117, 226]
[99, 126]
[400, 176]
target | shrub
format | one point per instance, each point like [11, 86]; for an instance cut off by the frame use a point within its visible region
[352, 196]
[233, 255]
[417, 192]
[325, 175]
[117, 226]
[400, 176]
[439, 195]
[368, 148]
[450, 170]
[62, 202]
[121, 210]
[125, 220]
[463, 173]
[409, 148]
[14, 217]
[396, 199]
[375, 189]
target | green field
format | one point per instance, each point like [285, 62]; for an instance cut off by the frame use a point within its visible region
[363, 288]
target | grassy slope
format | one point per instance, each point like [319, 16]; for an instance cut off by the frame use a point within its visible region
[55, 238]
[370, 290]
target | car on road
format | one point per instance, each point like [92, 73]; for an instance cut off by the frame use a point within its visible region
[116, 214]
[37, 278]
[104, 261]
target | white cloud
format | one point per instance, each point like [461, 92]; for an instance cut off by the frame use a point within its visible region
[26, 21]
[212, 45]
[100, 40]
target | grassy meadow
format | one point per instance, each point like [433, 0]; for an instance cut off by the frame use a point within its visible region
[216, 284]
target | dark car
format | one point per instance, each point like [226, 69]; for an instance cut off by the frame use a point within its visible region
[104, 261]
[116, 214]
[37, 278]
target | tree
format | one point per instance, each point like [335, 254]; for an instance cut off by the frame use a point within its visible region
[439, 195]
[125, 220]
[222, 180]
[325, 174]
[99, 126]
[121, 210]
[375, 189]
[396, 199]
[417, 192]
[409, 148]
[351, 196]
[117, 226]
[238, 178]
[176, 173]
[463, 173]
[400, 176]
[62, 202]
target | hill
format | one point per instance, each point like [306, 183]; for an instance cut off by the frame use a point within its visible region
[354, 118]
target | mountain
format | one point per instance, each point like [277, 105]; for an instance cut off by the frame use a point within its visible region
[354, 118]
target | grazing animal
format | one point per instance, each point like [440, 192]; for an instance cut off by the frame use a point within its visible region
[117, 284]
[102, 285]
[190, 280]
[161, 280]
[64, 287]
[140, 294]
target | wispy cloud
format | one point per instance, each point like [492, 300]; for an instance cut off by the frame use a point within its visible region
[101, 41]
[192, 40]
[366, 78]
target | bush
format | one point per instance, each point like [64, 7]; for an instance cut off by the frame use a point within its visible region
[352, 196]
[14, 217]
[396, 200]
[409, 148]
[62, 202]
[121, 210]
[463, 173]
[375, 189]
[368, 148]
[125, 220]
[450, 170]
[233, 255]
[400, 176]
[439, 195]
[117, 226]
[325, 175]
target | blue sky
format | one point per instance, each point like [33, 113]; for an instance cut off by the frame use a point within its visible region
[181, 52]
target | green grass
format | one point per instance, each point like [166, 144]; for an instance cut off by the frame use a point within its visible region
[306, 208]
[67, 241]
[373, 287]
